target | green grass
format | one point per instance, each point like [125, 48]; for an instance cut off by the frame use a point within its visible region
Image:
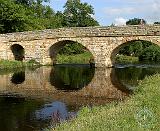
[74, 59]
[140, 112]
[126, 59]
[7, 64]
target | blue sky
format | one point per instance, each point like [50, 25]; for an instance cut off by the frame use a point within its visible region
[119, 11]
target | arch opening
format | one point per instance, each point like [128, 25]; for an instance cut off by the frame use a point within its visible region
[18, 52]
[70, 52]
[136, 51]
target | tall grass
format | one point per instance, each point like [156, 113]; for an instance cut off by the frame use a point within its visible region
[126, 59]
[74, 59]
[7, 64]
[140, 112]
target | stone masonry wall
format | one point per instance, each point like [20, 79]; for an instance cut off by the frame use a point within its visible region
[103, 42]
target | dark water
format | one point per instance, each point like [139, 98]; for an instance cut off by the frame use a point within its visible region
[36, 99]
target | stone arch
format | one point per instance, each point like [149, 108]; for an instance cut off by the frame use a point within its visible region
[124, 42]
[57, 46]
[18, 52]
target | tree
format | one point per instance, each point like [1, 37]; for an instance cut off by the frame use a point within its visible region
[16, 16]
[133, 48]
[78, 14]
[12, 17]
[135, 21]
[156, 22]
[151, 53]
[30, 2]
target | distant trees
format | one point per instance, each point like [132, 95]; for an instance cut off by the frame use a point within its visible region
[72, 48]
[135, 21]
[156, 22]
[151, 53]
[144, 50]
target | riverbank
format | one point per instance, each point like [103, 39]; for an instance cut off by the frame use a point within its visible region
[7, 64]
[139, 112]
[74, 59]
[126, 59]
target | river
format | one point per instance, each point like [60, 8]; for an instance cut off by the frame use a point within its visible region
[40, 98]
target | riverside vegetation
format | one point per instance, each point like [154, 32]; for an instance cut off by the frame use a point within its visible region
[7, 64]
[140, 112]
[83, 58]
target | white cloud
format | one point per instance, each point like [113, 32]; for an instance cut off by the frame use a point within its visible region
[146, 9]
[118, 11]
[120, 21]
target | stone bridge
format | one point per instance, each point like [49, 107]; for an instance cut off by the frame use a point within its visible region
[102, 42]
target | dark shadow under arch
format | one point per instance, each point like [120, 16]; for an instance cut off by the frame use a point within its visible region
[18, 77]
[71, 77]
[117, 49]
[18, 52]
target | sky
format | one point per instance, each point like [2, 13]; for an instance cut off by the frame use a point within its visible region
[118, 11]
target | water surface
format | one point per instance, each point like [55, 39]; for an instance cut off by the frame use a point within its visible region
[34, 99]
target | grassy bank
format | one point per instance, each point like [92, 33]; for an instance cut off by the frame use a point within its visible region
[140, 112]
[74, 59]
[126, 59]
[6, 64]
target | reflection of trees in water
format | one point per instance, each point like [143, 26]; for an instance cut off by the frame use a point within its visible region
[18, 77]
[71, 77]
[130, 76]
[16, 113]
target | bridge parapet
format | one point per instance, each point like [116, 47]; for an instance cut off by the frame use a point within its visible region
[137, 30]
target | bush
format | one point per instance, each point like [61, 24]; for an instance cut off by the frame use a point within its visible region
[72, 48]
[151, 53]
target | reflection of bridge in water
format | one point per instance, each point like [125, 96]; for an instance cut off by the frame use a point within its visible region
[102, 89]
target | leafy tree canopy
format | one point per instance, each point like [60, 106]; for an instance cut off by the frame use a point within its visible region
[156, 22]
[12, 17]
[136, 21]
[78, 14]
[144, 50]
[30, 2]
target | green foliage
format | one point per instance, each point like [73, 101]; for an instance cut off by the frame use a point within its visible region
[135, 21]
[126, 59]
[25, 15]
[12, 17]
[144, 50]
[74, 59]
[134, 48]
[30, 2]
[72, 48]
[78, 14]
[151, 53]
[6, 64]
